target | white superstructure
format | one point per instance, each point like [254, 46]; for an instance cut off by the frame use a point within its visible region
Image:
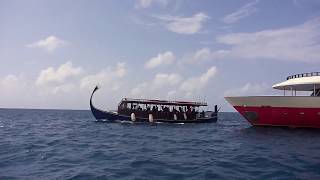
[301, 82]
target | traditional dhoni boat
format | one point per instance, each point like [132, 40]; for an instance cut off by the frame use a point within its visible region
[287, 110]
[147, 110]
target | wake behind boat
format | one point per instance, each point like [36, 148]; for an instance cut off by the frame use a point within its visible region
[146, 110]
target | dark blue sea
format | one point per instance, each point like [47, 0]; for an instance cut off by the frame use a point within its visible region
[63, 144]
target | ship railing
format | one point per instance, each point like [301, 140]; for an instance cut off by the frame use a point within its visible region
[163, 101]
[303, 75]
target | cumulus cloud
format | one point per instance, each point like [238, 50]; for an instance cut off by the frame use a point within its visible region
[50, 43]
[50, 76]
[207, 54]
[172, 94]
[17, 91]
[64, 88]
[53, 86]
[161, 59]
[241, 13]
[184, 25]
[297, 43]
[139, 90]
[195, 84]
[10, 83]
[149, 3]
[9, 80]
[174, 85]
[248, 89]
[162, 79]
[109, 77]
[160, 83]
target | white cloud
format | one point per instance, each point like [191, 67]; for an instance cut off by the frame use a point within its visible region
[64, 88]
[243, 12]
[172, 93]
[297, 43]
[149, 3]
[110, 77]
[17, 91]
[50, 44]
[162, 79]
[143, 22]
[139, 90]
[248, 89]
[11, 83]
[196, 84]
[184, 25]
[207, 54]
[173, 85]
[158, 86]
[9, 80]
[162, 59]
[60, 87]
[50, 76]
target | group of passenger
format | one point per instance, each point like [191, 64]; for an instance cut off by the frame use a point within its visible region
[163, 111]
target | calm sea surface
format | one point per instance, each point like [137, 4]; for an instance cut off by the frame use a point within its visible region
[58, 144]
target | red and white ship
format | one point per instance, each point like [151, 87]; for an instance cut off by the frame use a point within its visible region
[290, 110]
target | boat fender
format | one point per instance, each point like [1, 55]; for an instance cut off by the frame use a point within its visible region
[175, 117]
[185, 116]
[133, 117]
[151, 118]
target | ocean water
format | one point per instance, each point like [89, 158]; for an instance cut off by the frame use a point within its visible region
[59, 144]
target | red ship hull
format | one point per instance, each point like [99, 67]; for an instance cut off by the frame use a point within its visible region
[279, 111]
[281, 116]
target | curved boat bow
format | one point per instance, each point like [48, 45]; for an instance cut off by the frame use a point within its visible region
[100, 114]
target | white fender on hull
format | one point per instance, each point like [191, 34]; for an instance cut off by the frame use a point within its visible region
[151, 118]
[185, 116]
[175, 117]
[133, 117]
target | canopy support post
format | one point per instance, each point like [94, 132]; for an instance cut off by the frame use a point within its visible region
[314, 90]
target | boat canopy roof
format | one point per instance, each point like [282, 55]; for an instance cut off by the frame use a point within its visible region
[300, 82]
[163, 102]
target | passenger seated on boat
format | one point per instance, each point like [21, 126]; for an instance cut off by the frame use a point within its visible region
[202, 114]
[166, 109]
[194, 114]
[154, 109]
[187, 112]
[174, 110]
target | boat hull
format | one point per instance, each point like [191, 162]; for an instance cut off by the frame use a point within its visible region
[291, 111]
[112, 117]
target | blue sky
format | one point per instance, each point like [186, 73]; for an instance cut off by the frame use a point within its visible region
[54, 52]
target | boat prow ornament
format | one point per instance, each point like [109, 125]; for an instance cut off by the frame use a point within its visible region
[154, 110]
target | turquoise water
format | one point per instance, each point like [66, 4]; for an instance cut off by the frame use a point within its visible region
[58, 144]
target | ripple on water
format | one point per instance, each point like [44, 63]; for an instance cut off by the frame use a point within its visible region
[56, 144]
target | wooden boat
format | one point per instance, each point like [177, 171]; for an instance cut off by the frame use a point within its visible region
[156, 111]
